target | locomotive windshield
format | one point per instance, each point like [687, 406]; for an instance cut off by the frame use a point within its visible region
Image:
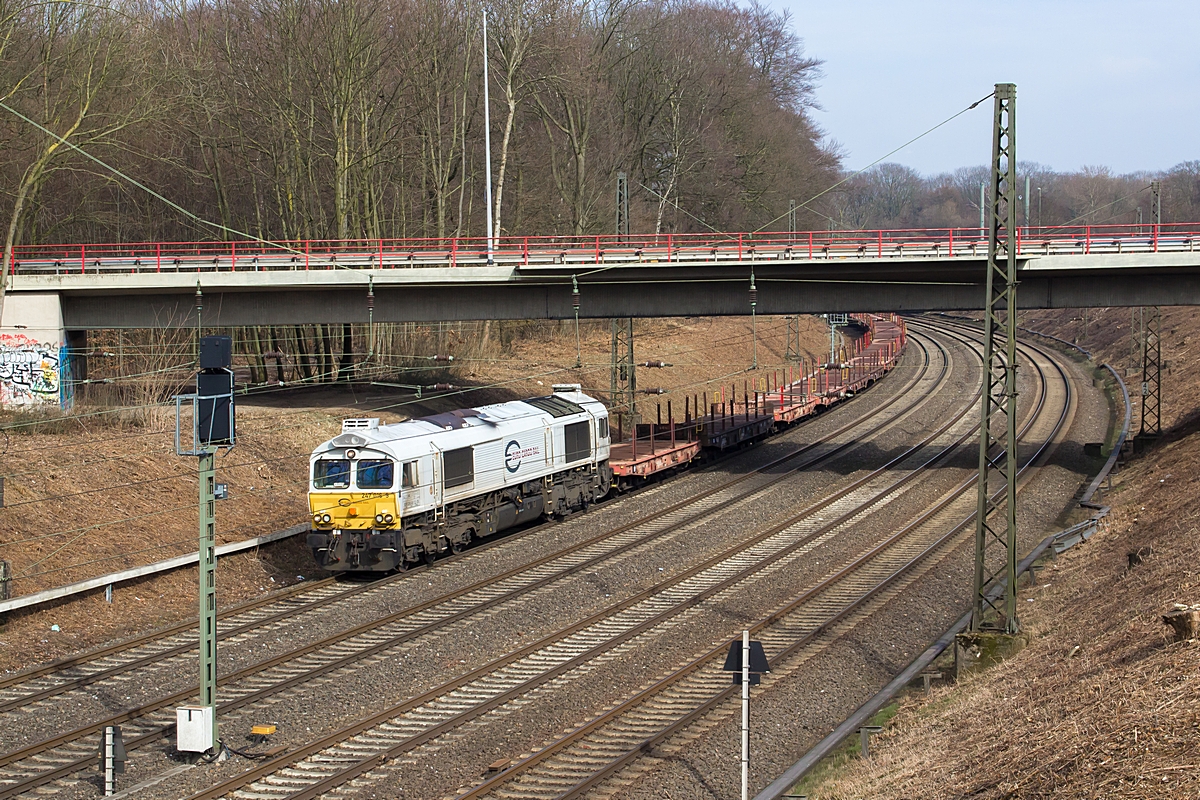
[331, 473]
[375, 474]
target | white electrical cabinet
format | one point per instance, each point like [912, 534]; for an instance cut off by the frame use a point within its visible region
[194, 729]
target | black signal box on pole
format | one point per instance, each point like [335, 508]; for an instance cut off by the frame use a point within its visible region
[758, 661]
[216, 352]
[214, 392]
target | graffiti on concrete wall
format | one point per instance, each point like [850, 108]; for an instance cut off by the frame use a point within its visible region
[30, 372]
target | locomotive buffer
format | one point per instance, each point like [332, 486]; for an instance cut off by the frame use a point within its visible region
[212, 429]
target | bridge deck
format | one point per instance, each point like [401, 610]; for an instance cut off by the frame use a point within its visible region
[556, 253]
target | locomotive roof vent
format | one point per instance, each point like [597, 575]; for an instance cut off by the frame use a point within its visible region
[360, 424]
[566, 388]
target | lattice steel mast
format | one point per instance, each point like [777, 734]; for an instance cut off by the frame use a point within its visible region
[996, 518]
[623, 383]
[1151, 427]
[623, 379]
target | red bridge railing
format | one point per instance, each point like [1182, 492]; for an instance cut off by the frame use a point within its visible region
[597, 251]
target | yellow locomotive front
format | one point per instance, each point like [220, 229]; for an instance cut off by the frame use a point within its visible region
[353, 501]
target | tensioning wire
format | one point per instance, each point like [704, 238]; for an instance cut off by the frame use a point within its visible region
[1101, 208]
[677, 207]
[140, 185]
[294, 412]
[881, 158]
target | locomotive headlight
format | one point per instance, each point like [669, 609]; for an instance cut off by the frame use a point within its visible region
[379, 518]
[389, 519]
[326, 519]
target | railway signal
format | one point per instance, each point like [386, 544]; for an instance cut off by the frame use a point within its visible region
[748, 658]
[212, 428]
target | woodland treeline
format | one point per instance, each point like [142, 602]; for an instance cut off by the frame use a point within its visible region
[364, 118]
[285, 119]
[895, 196]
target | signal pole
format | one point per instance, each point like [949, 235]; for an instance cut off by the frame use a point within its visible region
[212, 429]
[487, 147]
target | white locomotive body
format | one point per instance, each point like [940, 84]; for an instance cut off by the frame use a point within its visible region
[383, 497]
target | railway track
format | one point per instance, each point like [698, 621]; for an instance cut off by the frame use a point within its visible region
[62, 756]
[22, 689]
[421, 725]
[582, 760]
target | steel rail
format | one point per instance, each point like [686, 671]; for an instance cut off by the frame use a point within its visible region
[140, 739]
[815, 754]
[717, 652]
[283, 595]
[128, 644]
[161, 634]
[479, 709]
[183, 627]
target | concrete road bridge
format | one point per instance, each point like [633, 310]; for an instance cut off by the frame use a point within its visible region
[56, 293]
[93, 286]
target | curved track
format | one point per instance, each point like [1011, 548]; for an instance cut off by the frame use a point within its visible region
[582, 760]
[62, 756]
[420, 726]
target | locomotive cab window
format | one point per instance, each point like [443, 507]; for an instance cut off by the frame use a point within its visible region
[331, 473]
[459, 466]
[375, 474]
[578, 436]
[408, 478]
[602, 427]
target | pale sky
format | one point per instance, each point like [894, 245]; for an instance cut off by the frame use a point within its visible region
[1098, 83]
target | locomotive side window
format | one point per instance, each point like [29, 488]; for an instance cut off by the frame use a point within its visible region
[374, 474]
[602, 427]
[459, 466]
[578, 436]
[409, 478]
[331, 473]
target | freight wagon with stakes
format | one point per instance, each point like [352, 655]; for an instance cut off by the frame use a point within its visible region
[385, 497]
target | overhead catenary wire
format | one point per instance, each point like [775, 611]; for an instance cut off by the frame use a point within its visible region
[1101, 208]
[41, 446]
[889, 154]
[273, 489]
[731, 339]
[190, 215]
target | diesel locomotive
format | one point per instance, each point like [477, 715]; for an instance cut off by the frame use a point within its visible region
[385, 497]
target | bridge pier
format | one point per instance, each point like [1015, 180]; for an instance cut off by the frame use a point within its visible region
[37, 368]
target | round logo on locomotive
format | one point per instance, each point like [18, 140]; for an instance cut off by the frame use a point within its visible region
[512, 461]
[514, 454]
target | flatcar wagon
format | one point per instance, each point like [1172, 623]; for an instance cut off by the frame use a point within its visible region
[384, 497]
